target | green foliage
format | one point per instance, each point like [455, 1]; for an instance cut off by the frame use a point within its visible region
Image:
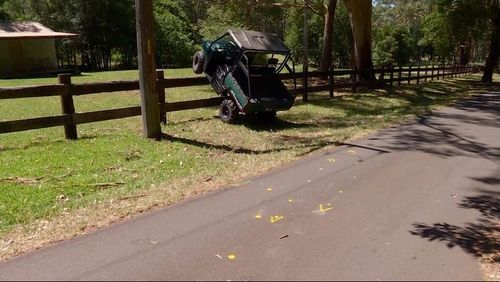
[174, 42]
[342, 36]
[294, 35]
[452, 24]
[3, 13]
[250, 14]
[394, 46]
[397, 27]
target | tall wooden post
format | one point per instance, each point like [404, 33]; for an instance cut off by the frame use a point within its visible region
[305, 58]
[147, 66]
[68, 107]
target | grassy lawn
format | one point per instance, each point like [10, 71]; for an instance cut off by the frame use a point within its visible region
[53, 189]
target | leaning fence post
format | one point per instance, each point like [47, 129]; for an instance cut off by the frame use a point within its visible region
[409, 74]
[68, 107]
[160, 77]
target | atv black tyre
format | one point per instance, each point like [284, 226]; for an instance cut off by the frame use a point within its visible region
[198, 62]
[228, 111]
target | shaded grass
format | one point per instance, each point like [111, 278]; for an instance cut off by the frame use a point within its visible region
[43, 176]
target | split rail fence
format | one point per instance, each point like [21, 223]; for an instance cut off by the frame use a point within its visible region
[311, 82]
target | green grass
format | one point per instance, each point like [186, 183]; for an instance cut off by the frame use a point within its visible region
[43, 176]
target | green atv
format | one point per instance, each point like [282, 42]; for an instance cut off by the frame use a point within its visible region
[242, 66]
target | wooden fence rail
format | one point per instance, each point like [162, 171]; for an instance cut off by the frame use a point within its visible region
[337, 79]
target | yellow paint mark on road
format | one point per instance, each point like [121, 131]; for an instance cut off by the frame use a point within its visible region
[269, 189]
[325, 208]
[290, 200]
[258, 216]
[276, 218]
[332, 160]
[231, 257]
[351, 152]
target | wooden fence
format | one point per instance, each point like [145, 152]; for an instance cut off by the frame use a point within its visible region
[337, 79]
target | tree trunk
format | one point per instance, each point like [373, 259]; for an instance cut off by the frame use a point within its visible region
[492, 60]
[326, 51]
[360, 14]
[465, 51]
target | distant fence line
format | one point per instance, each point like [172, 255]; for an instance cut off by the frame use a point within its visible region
[69, 118]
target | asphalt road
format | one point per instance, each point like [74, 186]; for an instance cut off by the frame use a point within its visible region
[413, 202]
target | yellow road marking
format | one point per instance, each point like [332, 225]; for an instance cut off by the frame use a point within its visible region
[276, 218]
[325, 208]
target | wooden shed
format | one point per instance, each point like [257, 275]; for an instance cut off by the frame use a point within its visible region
[28, 48]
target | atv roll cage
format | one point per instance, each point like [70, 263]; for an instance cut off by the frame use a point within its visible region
[249, 45]
[242, 66]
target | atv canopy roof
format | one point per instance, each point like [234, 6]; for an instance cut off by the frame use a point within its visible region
[258, 41]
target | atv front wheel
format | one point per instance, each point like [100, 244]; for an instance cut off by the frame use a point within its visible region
[198, 62]
[228, 111]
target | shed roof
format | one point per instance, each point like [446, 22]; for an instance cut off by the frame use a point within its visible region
[21, 30]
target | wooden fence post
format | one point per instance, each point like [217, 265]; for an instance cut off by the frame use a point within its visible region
[409, 74]
[305, 85]
[330, 82]
[426, 69]
[432, 72]
[68, 107]
[160, 77]
[354, 79]
[418, 74]
[400, 73]
[391, 77]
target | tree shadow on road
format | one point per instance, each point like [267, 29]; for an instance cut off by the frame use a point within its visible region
[480, 238]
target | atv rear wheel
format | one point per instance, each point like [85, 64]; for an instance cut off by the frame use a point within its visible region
[228, 111]
[198, 62]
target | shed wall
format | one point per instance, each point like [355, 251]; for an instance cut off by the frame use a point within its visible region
[27, 56]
